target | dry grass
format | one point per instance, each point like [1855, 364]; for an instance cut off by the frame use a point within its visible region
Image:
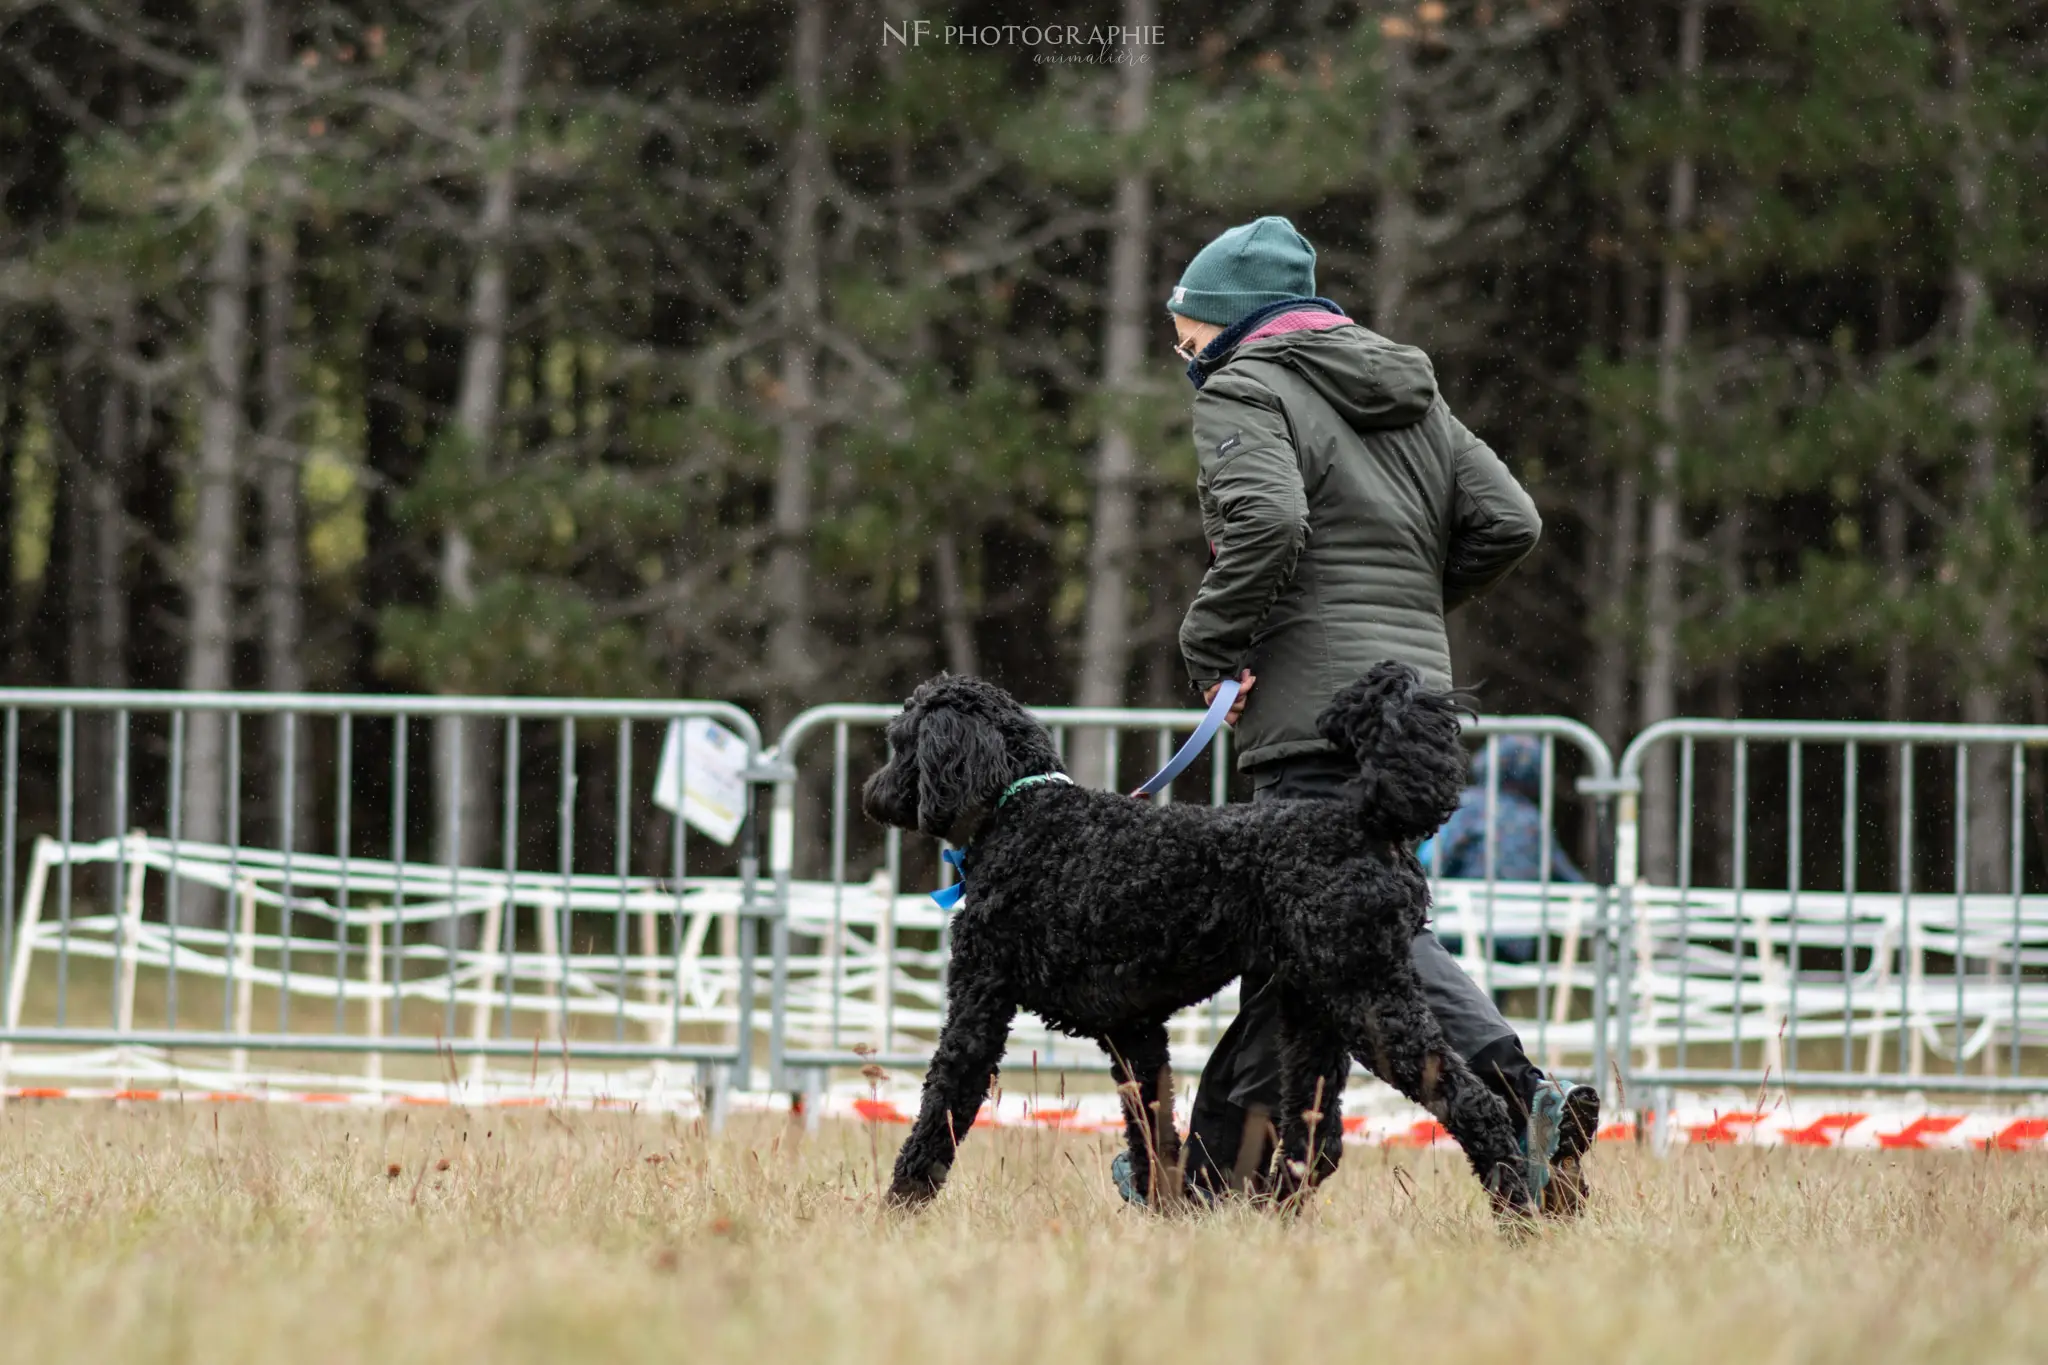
[265, 1234]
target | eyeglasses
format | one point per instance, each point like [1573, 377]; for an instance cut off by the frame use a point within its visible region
[1187, 350]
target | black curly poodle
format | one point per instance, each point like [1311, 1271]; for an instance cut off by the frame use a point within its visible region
[1104, 915]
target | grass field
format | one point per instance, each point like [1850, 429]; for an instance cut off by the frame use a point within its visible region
[255, 1233]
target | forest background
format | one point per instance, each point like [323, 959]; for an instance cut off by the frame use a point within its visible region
[741, 350]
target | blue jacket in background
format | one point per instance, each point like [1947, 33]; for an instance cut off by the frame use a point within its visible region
[1517, 821]
[1518, 834]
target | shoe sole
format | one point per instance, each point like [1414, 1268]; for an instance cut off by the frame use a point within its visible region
[1581, 1122]
[1565, 1193]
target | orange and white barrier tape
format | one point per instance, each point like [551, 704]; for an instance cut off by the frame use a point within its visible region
[330, 1098]
[1892, 1129]
[1373, 1120]
[1370, 1121]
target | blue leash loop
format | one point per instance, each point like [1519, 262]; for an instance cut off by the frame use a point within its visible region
[1212, 721]
[947, 897]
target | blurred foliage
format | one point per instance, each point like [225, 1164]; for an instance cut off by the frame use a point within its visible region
[621, 516]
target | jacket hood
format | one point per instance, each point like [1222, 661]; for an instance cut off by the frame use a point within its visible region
[1373, 383]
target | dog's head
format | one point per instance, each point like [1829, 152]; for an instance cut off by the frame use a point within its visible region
[958, 743]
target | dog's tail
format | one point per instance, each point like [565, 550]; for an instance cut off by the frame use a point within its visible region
[1411, 767]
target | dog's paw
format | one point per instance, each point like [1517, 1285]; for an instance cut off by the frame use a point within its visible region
[1291, 1186]
[909, 1193]
[1508, 1189]
[910, 1198]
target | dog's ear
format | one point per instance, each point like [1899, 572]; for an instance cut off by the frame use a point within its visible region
[961, 763]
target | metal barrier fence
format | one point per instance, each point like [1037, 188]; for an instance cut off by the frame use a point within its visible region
[1903, 948]
[880, 958]
[1889, 943]
[171, 956]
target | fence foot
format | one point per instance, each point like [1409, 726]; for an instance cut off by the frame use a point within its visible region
[713, 1087]
[1660, 1123]
[814, 1097]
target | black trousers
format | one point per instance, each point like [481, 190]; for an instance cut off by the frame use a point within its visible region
[1239, 1094]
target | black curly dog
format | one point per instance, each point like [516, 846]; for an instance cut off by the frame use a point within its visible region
[1104, 915]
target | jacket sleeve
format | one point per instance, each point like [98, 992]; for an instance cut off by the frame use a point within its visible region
[1494, 524]
[1255, 512]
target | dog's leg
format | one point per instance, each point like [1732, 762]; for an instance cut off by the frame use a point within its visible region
[1390, 1029]
[1138, 1060]
[970, 1048]
[1314, 1064]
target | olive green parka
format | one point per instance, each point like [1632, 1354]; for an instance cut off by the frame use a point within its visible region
[1346, 511]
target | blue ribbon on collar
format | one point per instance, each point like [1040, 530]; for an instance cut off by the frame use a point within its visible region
[956, 858]
[949, 896]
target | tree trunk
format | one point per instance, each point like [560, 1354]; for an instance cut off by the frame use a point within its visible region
[955, 620]
[956, 616]
[792, 664]
[1615, 564]
[1659, 699]
[94, 460]
[463, 750]
[108, 495]
[97, 600]
[1612, 550]
[82, 417]
[1891, 544]
[1990, 487]
[1396, 219]
[1113, 545]
[1720, 812]
[283, 578]
[216, 523]
[105, 493]
[13, 421]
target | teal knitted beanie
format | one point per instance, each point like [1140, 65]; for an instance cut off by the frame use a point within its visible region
[1254, 264]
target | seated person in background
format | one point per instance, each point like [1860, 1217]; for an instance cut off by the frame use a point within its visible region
[1517, 838]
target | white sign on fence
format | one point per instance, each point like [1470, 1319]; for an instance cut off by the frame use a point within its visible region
[701, 779]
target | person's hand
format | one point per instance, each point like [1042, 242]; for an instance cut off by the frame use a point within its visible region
[1247, 678]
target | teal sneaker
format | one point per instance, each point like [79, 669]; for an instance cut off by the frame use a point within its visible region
[1126, 1179]
[1540, 1137]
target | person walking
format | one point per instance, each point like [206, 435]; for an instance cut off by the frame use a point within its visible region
[1346, 511]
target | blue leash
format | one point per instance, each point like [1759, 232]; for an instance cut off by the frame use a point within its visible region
[1212, 721]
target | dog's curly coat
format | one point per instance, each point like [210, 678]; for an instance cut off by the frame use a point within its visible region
[1104, 915]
